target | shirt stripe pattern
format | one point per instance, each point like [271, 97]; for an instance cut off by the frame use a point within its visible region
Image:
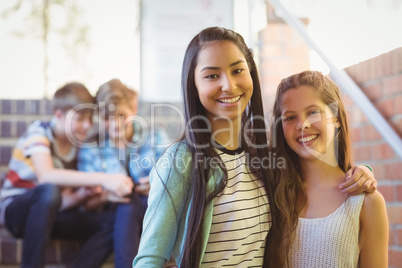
[241, 218]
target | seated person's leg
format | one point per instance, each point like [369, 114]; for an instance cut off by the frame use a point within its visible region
[31, 216]
[127, 231]
[94, 227]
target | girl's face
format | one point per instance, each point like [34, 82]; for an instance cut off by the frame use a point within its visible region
[308, 124]
[223, 81]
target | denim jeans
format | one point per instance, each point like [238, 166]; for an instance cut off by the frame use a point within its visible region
[127, 230]
[35, 216]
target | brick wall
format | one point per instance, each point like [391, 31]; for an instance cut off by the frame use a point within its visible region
[380, 78]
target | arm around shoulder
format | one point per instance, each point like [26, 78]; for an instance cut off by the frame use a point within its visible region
[374, 232]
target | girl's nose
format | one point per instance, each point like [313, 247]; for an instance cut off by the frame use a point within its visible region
[303, 123]
[228, 83]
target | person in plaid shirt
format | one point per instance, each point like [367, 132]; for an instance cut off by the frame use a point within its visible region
[125, 147]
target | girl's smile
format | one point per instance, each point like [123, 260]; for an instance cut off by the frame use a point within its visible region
[306, 139]
[233, 100]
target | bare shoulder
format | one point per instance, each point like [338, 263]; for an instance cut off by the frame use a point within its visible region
[374, 203]
[374, 200]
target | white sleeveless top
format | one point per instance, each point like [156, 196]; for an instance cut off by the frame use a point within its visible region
[332, 241]
[241, 218]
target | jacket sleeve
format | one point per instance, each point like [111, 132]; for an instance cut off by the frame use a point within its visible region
[168, 198]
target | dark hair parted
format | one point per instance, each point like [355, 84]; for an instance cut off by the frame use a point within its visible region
[253, 142]
[289, 195]
[70, 95]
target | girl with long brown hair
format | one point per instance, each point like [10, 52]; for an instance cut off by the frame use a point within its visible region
[320, 225]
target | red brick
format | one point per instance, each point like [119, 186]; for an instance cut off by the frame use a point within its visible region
[392, 85]
[396, 124]
[382, 151]
[355, 115]
[373, 92]
[296, 52]
[347, 101]
[397, 61]
[398, 103]
[371, 69]
[362, 153]
[393, 171]
[386, 107]
[394, 214]
[393, 236]
[399, 195]
[386, 64]
[273, 33]
[361, 73]
[387, 191]
[356, 135]
[378, 67]
[378, 171]
[371, 133]
[271, 50]
[352, 71]
[395, 258]
[398, 236]
[300, 65]
[392, 241]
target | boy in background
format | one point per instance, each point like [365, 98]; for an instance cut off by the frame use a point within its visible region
[125, 148]
[43, 190]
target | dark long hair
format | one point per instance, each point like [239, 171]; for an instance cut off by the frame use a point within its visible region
[289, 195]
[200, 143]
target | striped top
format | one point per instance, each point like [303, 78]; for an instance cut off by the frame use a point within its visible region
[38, 138]
[241, 218]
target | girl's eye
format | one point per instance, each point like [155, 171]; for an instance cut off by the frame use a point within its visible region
[211, 76]
[314, 112]
[287, 118]
[237, 71]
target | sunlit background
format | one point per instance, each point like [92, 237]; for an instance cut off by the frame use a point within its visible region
[93, 41]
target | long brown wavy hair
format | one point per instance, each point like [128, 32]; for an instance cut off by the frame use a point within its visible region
[289, 195]
[252, 118]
